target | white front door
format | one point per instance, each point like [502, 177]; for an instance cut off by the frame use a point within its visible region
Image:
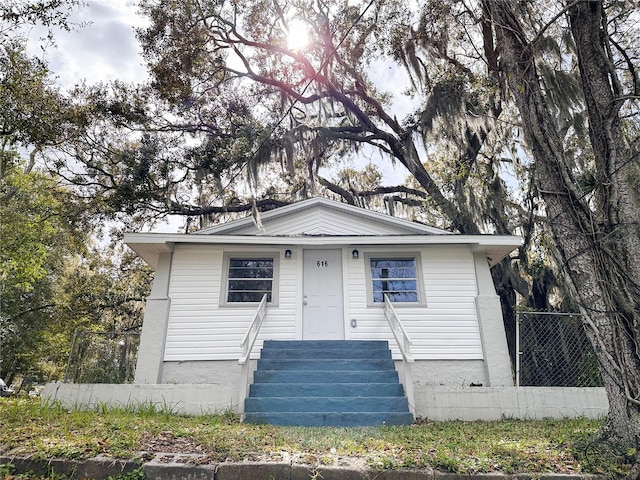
[322, 313]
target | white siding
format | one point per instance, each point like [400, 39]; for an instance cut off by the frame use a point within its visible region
[446, 327]
[320, 221]
[201, 329]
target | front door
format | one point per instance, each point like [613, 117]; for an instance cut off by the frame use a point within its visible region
[322, 315]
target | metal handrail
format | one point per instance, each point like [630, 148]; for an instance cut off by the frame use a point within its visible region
[252, 333]
[247, 344]
[404, 344]
[398, 330]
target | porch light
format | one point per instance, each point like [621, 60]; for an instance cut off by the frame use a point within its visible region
[355, 254]
[287, 253]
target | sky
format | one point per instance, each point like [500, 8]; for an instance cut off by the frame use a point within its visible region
[103, 50]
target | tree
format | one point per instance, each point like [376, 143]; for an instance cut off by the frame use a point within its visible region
[311, 107]
[45, 227]
[15, 14]
[36, 239]
[596, 230]
[52, 283]
[31, 116]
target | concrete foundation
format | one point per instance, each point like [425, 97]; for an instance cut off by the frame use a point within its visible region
[432, 402]
[446, 373]
[449, 373]
[225, 372]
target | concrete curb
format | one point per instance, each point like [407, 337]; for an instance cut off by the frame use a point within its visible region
[179, 466]
[93, 468]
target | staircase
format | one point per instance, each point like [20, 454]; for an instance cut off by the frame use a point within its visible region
[326, 383]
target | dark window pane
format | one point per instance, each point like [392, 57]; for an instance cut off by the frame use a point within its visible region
[251, 268]
[400, 285]
[250, 263]
[249, 279]
[250, 284]
[247, 296]
[250, 273]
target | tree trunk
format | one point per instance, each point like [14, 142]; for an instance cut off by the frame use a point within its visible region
[597, 245]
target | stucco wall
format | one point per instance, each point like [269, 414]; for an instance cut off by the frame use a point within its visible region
[452, 373]
[220, 372]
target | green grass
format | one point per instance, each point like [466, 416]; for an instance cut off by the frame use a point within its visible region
[510, 446]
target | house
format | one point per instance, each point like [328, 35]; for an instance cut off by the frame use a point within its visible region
[325, 268]
[347, 301]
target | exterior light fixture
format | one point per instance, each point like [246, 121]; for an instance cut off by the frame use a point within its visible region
[355, 254]
[287, 253]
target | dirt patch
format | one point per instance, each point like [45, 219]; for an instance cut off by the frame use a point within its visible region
[167, 442]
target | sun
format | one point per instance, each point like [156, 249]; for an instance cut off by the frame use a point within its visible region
[298, 35]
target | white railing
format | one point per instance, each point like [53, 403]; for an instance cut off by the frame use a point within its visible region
[247, 345]
[404, 344]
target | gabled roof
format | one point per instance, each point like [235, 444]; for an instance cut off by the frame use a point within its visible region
[321, 216]
[320, 222]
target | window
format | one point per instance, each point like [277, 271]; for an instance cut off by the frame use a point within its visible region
[396, 277]
[249, 279]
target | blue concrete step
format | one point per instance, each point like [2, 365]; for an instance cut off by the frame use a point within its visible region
[326, 344]
[326, 390]
[326, 404]
[329, 353]
[330, 419]
[310, 376]
[326, 383]
[329, 365]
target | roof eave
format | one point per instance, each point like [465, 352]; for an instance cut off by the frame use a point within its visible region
[150, 245]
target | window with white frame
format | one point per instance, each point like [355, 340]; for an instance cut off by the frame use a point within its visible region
[249, 279]
[397, 277]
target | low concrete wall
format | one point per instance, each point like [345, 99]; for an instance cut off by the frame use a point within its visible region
[188, 399]
[496, 403]
[432, 402]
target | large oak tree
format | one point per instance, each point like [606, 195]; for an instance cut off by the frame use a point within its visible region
[596, 230]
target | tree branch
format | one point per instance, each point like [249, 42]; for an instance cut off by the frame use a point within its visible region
[192, 211]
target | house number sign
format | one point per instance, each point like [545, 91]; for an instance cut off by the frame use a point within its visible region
[322, 263]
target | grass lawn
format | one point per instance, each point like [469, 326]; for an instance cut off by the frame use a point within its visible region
[509, 446]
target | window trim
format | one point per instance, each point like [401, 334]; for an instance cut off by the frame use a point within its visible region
[422, 300]
[275, 282]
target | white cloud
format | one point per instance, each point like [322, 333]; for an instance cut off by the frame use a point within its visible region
[103, 50]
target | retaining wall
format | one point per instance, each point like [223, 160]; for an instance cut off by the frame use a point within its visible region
[432, 402]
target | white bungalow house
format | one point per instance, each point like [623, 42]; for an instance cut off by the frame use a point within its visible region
[324, 267]
[321, 271]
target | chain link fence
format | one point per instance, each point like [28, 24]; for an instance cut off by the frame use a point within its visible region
[102, 357]
[553, 351]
